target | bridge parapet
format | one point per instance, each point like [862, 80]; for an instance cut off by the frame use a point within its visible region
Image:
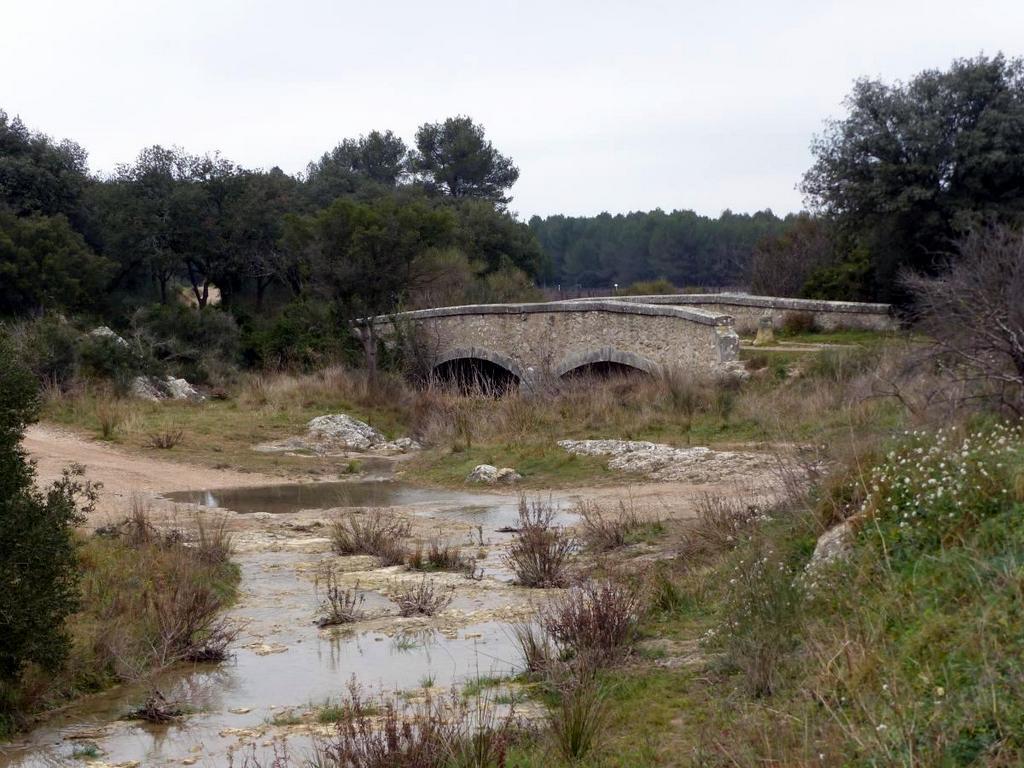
[746, 309]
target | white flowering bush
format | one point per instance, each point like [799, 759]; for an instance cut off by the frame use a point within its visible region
[761, 611]
[935, 487]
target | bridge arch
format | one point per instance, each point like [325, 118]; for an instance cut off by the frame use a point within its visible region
[469, 367]
[605, 355]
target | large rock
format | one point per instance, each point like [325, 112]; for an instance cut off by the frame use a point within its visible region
[103, 332]
[664, 462]
[145, 388]
[339, 433]
[489, 474]
[342, 430]
[483, 473]
[179, 389]
[833, 545]
[508, 475]
[155, 389]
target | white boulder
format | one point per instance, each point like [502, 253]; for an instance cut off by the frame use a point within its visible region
[180, 389]
[490, 474]
[483, 473]
[103, 332]
[342, 430]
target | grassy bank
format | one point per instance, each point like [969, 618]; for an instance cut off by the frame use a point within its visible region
[906, 652]
[791, 397]
[149, 599]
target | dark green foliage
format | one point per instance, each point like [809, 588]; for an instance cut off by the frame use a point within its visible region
[194, 343]
[37, 175]
[681, 247]
[37, 549]
[849, 279]
[913, 164]
[45, 264]
[48, 347]
[455, 158]
[366, 166]
[304, 335]
[102, 357]
[496, 239]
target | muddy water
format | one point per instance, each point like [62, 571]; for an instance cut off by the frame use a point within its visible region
[282, 662]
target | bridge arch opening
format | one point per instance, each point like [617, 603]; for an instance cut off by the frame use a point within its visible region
[604, 369]
[475, 375]
[605, 362]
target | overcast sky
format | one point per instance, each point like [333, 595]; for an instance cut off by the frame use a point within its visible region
[613, 106]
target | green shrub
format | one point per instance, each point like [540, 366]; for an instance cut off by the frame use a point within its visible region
[304, 335]
[38, 562]
[103, 357]
[47, 346]
[761, 615]
[201, 345]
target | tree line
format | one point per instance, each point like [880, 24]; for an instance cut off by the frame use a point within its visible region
[374, 225]
[73, 241]
[682, 247]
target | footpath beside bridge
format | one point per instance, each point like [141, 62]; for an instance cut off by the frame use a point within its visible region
[524, 344]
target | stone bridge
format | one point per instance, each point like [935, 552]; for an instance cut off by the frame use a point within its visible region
[523, 344]
[747, 310]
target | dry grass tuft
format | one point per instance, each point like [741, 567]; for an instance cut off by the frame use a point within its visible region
[722, 523]
[603, 530]
[371, 533]
[165, 440]
[440, 556]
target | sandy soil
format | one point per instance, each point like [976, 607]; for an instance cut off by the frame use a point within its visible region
[123, 473]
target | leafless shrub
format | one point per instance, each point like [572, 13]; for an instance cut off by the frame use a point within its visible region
[604, 530]
[424, 598]
[374, 533]
[165, 440]
[595, 620]
[540, 552]
[212, 646]
[186, 614]
[137, 529]
[339, 605]
[156, 709]
[974, 312]
[722, 522]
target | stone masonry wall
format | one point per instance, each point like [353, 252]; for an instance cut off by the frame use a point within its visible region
[532, 340]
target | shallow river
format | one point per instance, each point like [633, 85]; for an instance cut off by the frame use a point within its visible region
[282, 662]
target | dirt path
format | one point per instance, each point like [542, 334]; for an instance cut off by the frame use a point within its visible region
[123, 473]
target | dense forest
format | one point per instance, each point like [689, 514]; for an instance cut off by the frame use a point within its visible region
[682, 247]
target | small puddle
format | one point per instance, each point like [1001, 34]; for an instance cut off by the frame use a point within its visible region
[283, 663]
[475, 508]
